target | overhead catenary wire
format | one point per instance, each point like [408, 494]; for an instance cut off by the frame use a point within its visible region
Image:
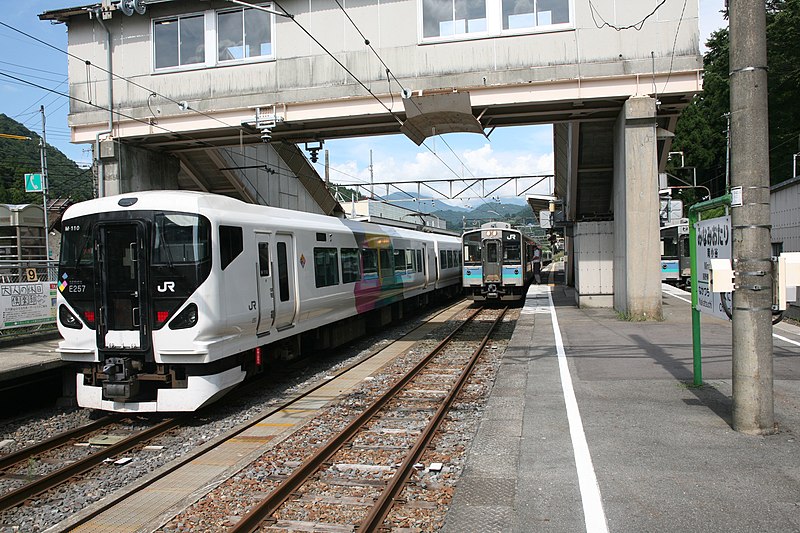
[127, 80]
[389, 73]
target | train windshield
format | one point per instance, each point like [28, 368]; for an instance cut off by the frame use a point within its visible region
[511, 252]
[77, 243]
[180, 238]
[669, 242]
[472, 248]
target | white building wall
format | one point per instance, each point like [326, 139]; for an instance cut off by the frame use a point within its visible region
[594, 263]
[302, 72]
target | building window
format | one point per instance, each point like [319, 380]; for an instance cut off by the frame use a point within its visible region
[179, 41]
[529, 14]
[464, 19]
[243, 34]
[445, 18]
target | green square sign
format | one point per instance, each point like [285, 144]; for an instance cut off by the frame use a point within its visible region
[33, 183]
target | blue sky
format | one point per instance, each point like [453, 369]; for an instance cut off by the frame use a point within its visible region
[508, 151]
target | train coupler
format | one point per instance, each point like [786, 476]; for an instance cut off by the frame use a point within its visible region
[121, 382]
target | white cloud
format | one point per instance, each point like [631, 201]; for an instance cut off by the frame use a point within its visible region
[405, 166]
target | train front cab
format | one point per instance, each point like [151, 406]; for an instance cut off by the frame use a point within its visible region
[494, 266]
[124, 277]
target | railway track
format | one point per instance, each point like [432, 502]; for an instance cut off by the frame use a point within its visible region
[236, 443]
[380, 471]
[25, 484]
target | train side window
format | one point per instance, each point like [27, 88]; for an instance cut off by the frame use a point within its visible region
[231, 244]
[443, 259]
[283, 272]
[369, 263]
[410, 260]
[450, 261]
[419, 260]
[386, 266]
[400, 261]
[350, 271]
[263, 259]
[326, 267]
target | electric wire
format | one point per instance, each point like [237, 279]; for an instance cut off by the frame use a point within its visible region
[310, 36]
[636, 26]
[287, 14]
[115, 76]
[142, 121]
[390, 73]
[674, 45]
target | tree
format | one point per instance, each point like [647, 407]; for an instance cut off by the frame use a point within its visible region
[701, 132]
[20, 157]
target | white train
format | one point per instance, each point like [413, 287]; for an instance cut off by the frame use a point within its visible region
[168, 299]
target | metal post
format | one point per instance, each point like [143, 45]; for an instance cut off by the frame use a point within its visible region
[753, 409]
[43, 158]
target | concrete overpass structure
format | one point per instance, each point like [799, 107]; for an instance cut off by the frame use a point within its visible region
[196, 85]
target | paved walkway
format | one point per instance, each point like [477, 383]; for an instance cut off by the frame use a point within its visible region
[602, 433]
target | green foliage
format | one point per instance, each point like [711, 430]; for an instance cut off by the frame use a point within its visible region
[345, 194]
[20, 157]
[701, 129]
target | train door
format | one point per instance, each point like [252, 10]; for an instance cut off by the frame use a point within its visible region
[123, 322]
[284, 282]
[492, 264]
[264, 284]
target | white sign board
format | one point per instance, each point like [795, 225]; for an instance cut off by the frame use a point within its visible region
[714, 238]
[26, 304]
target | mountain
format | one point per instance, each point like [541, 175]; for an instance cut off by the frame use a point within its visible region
[20, 157]
[490, 211]
[423, 206]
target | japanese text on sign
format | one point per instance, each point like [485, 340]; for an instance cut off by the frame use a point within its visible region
[713, 242]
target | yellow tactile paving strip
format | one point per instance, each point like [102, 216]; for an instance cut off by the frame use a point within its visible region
[151, 507]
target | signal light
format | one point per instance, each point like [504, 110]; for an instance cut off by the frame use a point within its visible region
[162, 316]
[89, 316]
[258, 355]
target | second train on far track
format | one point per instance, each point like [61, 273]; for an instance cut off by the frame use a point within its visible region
[499, 262]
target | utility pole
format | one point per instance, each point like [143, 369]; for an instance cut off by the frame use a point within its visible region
[753, 409]
[43, 158]
[327, 170]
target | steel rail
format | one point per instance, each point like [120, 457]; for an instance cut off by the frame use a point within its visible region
[385, 501]
[251, 521]
[164, 472]
[9, 460]
[52, 480]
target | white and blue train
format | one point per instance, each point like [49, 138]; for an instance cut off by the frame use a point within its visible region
[499, 262]
[169, 299]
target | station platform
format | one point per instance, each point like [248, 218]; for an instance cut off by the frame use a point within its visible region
[593, 425]
[22, 359]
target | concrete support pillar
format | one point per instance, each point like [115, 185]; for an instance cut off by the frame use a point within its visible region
[128, 168]
[637, 248]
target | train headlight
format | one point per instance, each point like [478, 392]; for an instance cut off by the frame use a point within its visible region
[67, 319]
[186, 318]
